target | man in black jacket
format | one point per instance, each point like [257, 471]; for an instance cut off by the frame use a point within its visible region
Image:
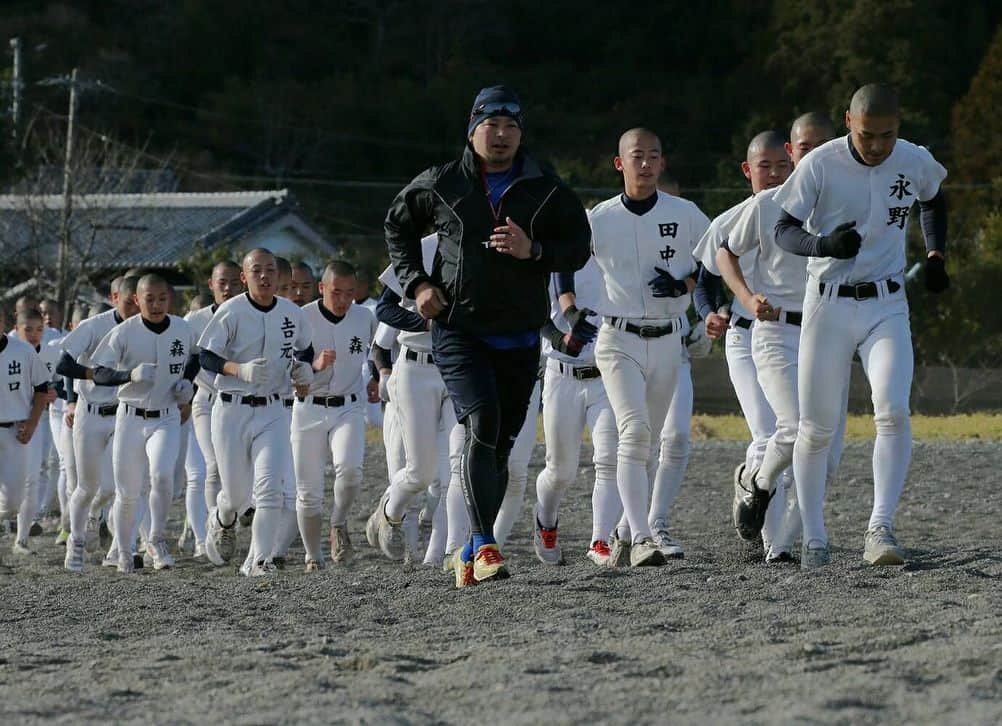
[504, 223]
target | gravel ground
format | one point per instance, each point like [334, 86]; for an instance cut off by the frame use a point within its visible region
[716, 636]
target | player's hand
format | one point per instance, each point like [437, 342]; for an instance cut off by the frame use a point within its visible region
[70, 415]
[581, 330]
[664, 285]
[143, 373]
[301, 391]
[430, 300]
[256, 371]
[302, 373]
[510, 239]
[697, 342]
[384, 385]
[183, 392]
[25, 430]
[325, 360]
[843, 243]
[716, 325]
[185, 410]
[760, 308]
[372, 390]
[936, 278]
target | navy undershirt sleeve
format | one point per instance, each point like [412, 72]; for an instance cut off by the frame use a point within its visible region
[791, 236]
[70, 368]
[306, 355]
[388, 311]
[211, 362]
[565, 283]
[708, 297]
[191, 368]
[932, 217]
[110, 377]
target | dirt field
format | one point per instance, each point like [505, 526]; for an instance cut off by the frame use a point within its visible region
[715, 637]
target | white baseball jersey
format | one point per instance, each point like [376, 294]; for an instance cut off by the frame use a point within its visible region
[416, 341]
[50, 352]
[349, 339]
[198, 320]
[387, 336]
[830, 187]
[628, 247]
[779, 275]
[588, 290]
[241, 331]
[714, 238]
[81, 344]
[133, 343]
[21, 370]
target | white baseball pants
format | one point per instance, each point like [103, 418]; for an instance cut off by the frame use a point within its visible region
[93, 435]
[13, 465]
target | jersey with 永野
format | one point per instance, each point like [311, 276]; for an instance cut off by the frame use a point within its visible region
[628, 247]
[831, 186]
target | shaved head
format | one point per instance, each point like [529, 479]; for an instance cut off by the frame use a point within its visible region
[877, 100]
[764, 141]
[28, 315]
[812, 120]
[225, 266]
[284, 266]
[638, 136]
[257, 253]
[339, 268]
[150, 281]
[128, 286]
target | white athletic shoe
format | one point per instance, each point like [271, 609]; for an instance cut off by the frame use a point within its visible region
[619, 551]
[599, 553]
[314, 566]
[389, 536]
[199, 553]
[372, 523]
[341, 549]
[75, 549]
[670, 547]
[265, 568]
[64, 534]
[814, 554]
[20, 547]
[544, 541]
[220, 541]
[645, 553]
[91, 535]
[159, 554]
[110, 559]
[779, 556]
[881, 548]
[186, 542]
[126, 565]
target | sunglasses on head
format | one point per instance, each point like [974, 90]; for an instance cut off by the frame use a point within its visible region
[498, 109]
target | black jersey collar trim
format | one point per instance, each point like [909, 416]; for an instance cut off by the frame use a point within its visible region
[157, 327]
[118, 318]
[852, 150]
[639, 207]
[328, 314]
[262, 308]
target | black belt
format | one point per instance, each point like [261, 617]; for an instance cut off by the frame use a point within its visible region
[793, 318]
[743, 323]
[645, 331]
[250, 400]
[143, 412]
[419, 357]
[107, 410]
[861, 290]
[330, 401]
[582, 373]
[287, 402]
[8, 424]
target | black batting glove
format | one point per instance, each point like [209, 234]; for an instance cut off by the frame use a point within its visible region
[664, 285]
[581, 330]
[936, 279]
[843, 243]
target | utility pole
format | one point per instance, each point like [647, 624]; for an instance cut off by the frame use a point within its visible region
[15, 103]
[64, 226]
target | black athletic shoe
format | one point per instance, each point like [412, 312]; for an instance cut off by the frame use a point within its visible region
[137, 562]
[750, 506]
[36, 530]
[104, 535]
[279, 562]
[781, 558]
[247, 518]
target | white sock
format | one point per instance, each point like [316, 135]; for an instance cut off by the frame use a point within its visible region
[668, 480]
[631, 479]
[160, 500]
[548, 497]
[439, 533]
[892, 452]
[606, 507]
[310, 527]
[264, 532]
[511, 507]
[809, 473]
[458, 516]
[196, 511]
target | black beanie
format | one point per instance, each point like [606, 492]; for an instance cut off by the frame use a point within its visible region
[494, 101]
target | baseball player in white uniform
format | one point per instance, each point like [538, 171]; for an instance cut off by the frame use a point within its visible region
[846, 207]
[363, 283]
[93, 419]
[30, 330]
[53, 464]
[68, 484]
[642, 241]
[24, 393]
[224, 283]
[775, 303]
[329, 421]
[151, 357]
[573, 398]
[254, 343]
